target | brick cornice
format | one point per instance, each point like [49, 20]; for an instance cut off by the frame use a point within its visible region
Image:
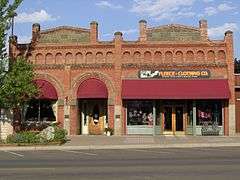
[172, 45]
[48, 66]
[174, 66]
[72, 46]
[93, 66]
[73, 66]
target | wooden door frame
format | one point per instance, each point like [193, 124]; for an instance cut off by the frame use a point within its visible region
[174, 118]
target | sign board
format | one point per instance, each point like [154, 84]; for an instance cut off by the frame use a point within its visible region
[174, 74]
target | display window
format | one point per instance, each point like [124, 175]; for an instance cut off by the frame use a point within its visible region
[209, 112]
[140, 113]
[40, 110]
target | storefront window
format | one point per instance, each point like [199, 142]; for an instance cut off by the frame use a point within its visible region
[40, 110]
[209, 112]
[190, 114]
[140, 113]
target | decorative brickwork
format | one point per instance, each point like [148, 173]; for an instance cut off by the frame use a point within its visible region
[173, 33]
[67, 56]
[65, 35]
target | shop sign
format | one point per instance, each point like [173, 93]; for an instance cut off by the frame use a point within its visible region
[172, 74]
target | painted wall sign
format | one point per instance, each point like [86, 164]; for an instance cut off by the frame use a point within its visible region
[162, 74]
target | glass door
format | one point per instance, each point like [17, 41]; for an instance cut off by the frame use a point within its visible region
[173, 121]
[167, 124]
[179, 118]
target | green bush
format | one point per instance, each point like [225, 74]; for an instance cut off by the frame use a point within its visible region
[27, 137]
[60, 134]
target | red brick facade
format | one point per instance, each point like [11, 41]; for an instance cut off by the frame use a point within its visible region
[67, 56]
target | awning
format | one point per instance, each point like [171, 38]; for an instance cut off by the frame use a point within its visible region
[92, 88]
[175, 89]
[47, 90]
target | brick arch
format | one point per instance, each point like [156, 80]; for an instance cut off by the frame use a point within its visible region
[39, 58]
[109, 57]
[59, 59]
[49, 58]
[179, 56]
[57, 85]
[69, 58]
[157, 58]
[168, 57]
[137, 57]
[200, 56]
[89, 57]
[99, 57]
[97, 75]
[211, 56]
[147, 57]
[126, 56]
[221, 55]
[190, 56]
[79, 58]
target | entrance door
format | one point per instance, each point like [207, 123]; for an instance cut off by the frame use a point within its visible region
[84, 118]
[179, 118]
[93, 116]
[173, 121]
[167, 125]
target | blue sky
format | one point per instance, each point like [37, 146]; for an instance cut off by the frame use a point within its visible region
[123, 15]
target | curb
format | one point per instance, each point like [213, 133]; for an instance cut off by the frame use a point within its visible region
[133, 146]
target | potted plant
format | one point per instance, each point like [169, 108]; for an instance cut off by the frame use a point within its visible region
[109, 131]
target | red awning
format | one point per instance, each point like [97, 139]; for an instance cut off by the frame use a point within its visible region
[92, 88]
[47, 90]
[175, 89]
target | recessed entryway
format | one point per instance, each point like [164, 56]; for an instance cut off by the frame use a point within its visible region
[173, 120]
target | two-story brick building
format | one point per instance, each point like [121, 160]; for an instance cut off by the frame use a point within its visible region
[172, 80]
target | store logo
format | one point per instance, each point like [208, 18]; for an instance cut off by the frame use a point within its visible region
[148, 74]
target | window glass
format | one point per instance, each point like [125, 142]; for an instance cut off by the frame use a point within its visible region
[190, 114]
[40, 110]
[158, 114]
[140, 113]
[209, 112]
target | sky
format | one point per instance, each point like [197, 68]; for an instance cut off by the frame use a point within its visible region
[123, 15]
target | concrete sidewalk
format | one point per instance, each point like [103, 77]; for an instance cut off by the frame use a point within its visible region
[124, 142]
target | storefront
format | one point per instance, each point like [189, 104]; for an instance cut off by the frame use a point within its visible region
[92, 103]
[172, 80]
[42, 110]
[176, 106]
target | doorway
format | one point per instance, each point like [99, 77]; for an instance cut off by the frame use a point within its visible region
[93, 116]
[173, 120]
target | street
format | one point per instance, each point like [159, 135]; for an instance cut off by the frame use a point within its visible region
[182, 163]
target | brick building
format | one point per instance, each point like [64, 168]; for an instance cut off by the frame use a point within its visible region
[237, 101]
[172, 80]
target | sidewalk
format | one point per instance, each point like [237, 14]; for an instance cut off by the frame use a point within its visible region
[124, 142]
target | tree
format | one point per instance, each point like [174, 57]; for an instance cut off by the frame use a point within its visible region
[7, 11]
[18, 88]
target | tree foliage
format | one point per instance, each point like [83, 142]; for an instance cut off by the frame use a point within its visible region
[18, 86]
[7, 11]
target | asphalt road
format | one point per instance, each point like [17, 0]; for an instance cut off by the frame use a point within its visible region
[192, 163]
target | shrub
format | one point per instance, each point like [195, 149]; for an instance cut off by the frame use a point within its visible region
[30, 137]
[27, 137]
[60, 134]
